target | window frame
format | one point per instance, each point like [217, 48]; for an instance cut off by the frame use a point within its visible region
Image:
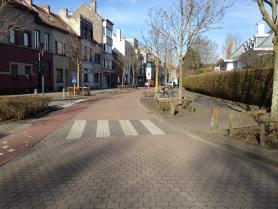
[14, 76]
[28, 39]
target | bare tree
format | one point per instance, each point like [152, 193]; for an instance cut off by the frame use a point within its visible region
[208, 50]
[134, 63]
[167, 57]
[10, 19]
[268, 9]
[75, 53]
[184, 22]
[153, 41]
[232, 42]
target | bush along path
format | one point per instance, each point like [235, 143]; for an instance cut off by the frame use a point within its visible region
[22, 107]
[253, 86]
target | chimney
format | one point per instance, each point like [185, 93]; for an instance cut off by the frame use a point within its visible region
[119, 34]
[46, 8]
[261, 29]
[64, 13]
[93, 6]
[30, 2]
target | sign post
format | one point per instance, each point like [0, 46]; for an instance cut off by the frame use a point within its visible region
[149, 74]
[73, 81]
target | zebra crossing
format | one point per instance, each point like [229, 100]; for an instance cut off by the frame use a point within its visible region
[106, 128]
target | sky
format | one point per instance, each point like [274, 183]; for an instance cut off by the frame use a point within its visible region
[131, 16]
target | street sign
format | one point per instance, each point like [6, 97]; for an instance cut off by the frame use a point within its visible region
[73, 78]
[149, 71]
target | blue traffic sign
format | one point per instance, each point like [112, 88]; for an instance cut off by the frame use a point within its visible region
[73, 78]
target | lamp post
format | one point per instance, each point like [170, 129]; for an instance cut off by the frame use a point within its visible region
[156, 74]
[40, 66]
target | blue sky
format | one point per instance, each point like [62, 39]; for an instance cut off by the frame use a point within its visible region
[130, 16]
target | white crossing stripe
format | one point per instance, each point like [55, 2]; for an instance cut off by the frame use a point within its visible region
[77, 130]
[128, 128]
[103, 130]
[153, 129]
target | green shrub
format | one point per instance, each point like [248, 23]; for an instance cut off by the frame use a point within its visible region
[21, 107]
[246, 86]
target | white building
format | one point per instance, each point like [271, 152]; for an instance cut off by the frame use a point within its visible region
[261, 42]
[124, 48]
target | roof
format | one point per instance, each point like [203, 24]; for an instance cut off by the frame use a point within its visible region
[50, 19]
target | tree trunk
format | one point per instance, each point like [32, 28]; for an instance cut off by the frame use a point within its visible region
[156, 75]
[78, 73]
[133, 78]
[274, 106]
[181, 79]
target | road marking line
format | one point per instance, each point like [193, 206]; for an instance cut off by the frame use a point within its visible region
[153, 129]
[128, 128]
[103, 130]
[77, 130]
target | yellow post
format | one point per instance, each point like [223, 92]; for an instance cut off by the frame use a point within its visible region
[74, 89]
[78, 74]
[156, 75]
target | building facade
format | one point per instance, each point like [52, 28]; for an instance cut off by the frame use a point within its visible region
[37, 28]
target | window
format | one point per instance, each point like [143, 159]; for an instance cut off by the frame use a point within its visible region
[107, 32]
[60, 48]
[85, 53]
[59, 75]
[26, 36]
[96, 78]
[97, 58]
[86, 75]
[46, 42]
[28, 72]
[91, 55]
[12, 36]
[107, 64]
[37, 39]
[14, 71]
[107, 49]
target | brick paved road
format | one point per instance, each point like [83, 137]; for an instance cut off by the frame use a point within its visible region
[145, 170]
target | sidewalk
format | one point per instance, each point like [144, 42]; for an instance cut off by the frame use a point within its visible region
[197, 125]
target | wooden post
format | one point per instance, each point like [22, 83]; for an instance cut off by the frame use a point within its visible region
[74, 93]
[214, 119]
[262, 135]
[230, 123]
[172, 108]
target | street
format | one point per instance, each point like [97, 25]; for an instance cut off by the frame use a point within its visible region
[117, 154]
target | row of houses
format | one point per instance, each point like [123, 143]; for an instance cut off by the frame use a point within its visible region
[257, 51]
[107, 58]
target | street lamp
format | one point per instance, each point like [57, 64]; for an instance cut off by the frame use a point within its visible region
[40, 66]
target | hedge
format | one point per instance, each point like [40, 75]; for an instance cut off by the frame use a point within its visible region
[250, 86]
[21, 107]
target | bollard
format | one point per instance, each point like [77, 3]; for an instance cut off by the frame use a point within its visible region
[35, 91]
[83, 91]
[230, 123]
[262, 135]
[172, 109]
[64, 93]
[214, 119]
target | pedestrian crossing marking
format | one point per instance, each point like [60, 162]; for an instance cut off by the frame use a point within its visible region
[103, 130]
[153, 129]
[128, 128]
[77, 130]
[114, 128]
